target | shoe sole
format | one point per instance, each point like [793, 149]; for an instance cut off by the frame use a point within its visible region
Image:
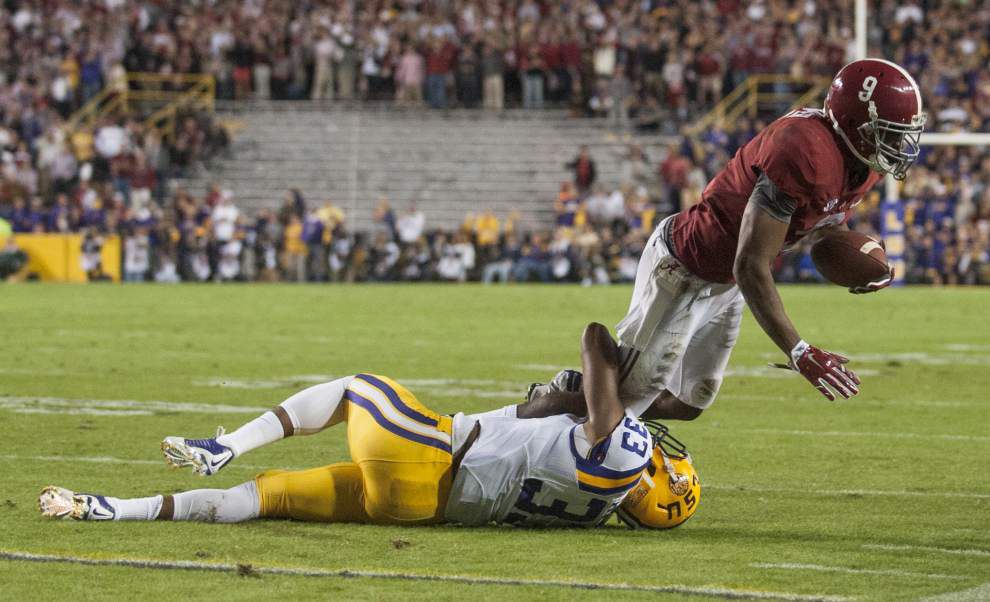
[66, 503]
[178, 455]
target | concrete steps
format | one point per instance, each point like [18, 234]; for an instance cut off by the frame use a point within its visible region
[450, 163]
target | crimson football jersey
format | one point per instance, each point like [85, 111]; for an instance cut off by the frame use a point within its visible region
[805, 160]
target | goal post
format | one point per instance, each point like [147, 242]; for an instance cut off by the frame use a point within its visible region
[892, 227]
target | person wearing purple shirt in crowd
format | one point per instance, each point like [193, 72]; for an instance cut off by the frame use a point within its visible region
[27, 218]
[59, 218]
[312, 236]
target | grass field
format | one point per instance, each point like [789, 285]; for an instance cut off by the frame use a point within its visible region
[883, 497]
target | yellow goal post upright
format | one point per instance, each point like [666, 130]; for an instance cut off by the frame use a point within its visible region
[892, 225]
[892, 222]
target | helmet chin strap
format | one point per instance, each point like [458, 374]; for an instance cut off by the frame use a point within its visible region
[668, 467]
[872, 163]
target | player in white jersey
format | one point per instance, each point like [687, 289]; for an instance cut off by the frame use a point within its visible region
[412, 466]
[546, 472]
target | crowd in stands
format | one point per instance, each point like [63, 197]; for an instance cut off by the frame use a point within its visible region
[630, 60]
[619, 58]
[596, 238]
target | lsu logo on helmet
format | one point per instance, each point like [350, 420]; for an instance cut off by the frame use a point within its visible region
[669, 492]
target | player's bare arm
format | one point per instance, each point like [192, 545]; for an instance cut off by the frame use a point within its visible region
[761, 236]
[600, 361]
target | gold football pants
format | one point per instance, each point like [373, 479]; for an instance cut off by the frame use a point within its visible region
[400, 471]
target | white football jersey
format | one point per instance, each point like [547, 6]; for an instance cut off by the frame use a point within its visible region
[543, 471]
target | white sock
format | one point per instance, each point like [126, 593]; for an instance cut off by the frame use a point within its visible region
[311, 409]
[142, 508]
[261, 431]
[232, 505]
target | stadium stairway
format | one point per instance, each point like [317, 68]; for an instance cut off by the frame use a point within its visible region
[449, 163]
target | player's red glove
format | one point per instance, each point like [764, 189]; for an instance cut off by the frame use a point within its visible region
[876, 285]
[824, 370]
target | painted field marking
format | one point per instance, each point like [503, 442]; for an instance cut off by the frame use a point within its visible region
[925, 403]
[980, 593]
[540, 367]
[906, 548]
[795, 566]
[112, 460]
[440, 387]
[925, 358]
[27, 404]
[870, 434]
[716, 592]
[849, 492]
[709, 486]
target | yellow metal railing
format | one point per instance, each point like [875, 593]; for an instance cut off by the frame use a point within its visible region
[759, 91]
[161, 97]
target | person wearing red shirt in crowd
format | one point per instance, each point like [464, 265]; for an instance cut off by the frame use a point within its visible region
[553, 61]
[674, 172]
[709, 70]
[802, 174]
[570, 56]
[584, 170]
[440, 57]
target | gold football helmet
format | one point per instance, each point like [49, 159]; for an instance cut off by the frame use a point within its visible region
[669, 491]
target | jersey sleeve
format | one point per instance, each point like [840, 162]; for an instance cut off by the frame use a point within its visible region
[773, 200]
[614, 465]
[802, 163]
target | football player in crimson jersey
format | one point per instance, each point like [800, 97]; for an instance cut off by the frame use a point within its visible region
[803, 173]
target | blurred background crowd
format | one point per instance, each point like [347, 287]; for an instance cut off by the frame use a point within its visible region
[640, 63]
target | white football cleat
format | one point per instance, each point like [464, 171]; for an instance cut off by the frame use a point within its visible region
[59, 502]
[206, 456]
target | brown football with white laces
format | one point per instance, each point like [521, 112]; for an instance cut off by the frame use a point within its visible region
[850, 259]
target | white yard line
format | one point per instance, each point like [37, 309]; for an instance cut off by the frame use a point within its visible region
[112, 460]
[924, 403]
[550, 368]
[794, 566]
[847, 492]
[715, 592]
[980, 593]
[707, 486]
[26, 404]
[870, 434]
[926, 549]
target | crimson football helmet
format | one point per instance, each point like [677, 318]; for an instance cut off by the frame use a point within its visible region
[875, 106]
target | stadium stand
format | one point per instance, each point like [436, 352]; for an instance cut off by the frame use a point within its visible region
[447, 163]
[643, 71]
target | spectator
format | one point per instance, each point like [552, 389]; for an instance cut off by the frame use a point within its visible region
[137, 255]
[439, 65]
[409, 77]
[410, 225]
[620, 97]
[386, 217]
[583, 167]
[468, 78]
[13, 259]
[674, 172]
[533, 68]
[500, 265]
[534, 259]
[323, 63]
[493, 72]
[294, 250]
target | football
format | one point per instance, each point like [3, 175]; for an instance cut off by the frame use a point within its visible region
[849, 258]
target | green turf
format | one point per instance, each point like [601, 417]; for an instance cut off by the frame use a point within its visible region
[788, 477]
